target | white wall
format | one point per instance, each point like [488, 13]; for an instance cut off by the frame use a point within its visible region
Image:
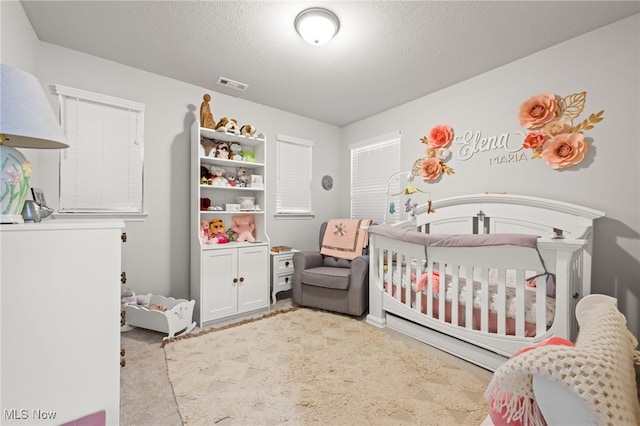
[156, 256]
[605, 64]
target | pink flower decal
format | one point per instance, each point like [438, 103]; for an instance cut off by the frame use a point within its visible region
[533, 140]
[565, 150]
[440, 136]
[433, 165]
[554, 137]
[431, 169]
[538, 110]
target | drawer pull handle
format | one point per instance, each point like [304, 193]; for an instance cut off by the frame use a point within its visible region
[286, 264]
[286, 280]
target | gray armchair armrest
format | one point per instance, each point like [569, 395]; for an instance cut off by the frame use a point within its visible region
[303, 260]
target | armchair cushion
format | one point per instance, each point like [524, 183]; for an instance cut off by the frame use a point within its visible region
[327, 277]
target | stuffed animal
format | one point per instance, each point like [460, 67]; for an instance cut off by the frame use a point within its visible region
[218, 178]
[228, 126]
[222, 125]
[247, 130]
[236, 151]
[242, 177]
[248, 156]
[231, 178]
[244, 227]
[232, 127]
[222, 150]
[217, 232]
[205, 237]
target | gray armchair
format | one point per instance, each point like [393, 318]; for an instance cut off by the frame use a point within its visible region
[329, 283]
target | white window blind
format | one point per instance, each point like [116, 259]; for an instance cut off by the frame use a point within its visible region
[293, 186]
[372, 163]
[102, 170]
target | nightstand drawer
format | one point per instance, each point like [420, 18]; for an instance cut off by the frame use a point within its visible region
[284, 264]
[283, 282]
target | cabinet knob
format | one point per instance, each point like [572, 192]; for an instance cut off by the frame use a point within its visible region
[241, 279]
[235, 280]
[286, 264]
[123, 277]
[123, 237]
[286, 280]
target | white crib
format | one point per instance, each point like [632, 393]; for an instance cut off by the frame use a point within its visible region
[503, 313]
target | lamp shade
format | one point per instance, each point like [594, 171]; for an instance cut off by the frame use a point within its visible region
[26, 121]
[316, 25]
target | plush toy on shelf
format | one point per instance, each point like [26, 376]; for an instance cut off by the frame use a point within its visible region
[242, 177]
[222, 150]
[217, 232]
[236, 151]
[228, 126]
[248, 156]
[244, 227]
[204, 232]
[218, 178]
[248, 130]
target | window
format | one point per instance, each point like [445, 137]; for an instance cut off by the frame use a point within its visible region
[102, 170]
[293, 185]
[373, 162]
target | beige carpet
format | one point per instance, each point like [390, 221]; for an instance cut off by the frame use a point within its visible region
[312, 367]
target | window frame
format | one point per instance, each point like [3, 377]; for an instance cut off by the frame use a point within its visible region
[290, 180]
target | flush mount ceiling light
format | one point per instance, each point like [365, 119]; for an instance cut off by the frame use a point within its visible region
[316, 25]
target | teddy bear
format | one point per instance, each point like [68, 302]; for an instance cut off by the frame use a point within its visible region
[247, 130]
[236, 151]
[242, 177]
[217, 232]
[218, 178]
[244, 227]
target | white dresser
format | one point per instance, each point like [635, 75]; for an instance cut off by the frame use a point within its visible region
[60, 297]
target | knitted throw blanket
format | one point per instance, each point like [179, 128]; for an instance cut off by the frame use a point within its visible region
[599, 369]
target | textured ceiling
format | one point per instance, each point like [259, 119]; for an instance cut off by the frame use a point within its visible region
[385, 54]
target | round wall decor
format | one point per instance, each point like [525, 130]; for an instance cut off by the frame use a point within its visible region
[327, 182]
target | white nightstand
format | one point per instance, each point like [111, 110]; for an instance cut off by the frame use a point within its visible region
[281, 272]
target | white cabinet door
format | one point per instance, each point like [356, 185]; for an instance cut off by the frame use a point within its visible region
[253, 290]
[219, 284]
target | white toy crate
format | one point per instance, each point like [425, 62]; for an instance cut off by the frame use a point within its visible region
[176, 320]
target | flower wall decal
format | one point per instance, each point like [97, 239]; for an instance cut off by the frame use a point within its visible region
[433, 165]
[553, 136]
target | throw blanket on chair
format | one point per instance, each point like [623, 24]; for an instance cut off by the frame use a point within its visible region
[345, 238]
[599, 369]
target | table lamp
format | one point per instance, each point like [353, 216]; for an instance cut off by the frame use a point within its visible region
[26, 121]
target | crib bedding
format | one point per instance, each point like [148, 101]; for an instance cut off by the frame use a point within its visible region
[408, 277]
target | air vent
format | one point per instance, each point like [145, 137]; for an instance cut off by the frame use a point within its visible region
[232, 84]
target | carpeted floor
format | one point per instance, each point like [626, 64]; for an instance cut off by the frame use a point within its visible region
[147, 395]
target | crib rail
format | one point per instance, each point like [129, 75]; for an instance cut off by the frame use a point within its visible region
[479, 295]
